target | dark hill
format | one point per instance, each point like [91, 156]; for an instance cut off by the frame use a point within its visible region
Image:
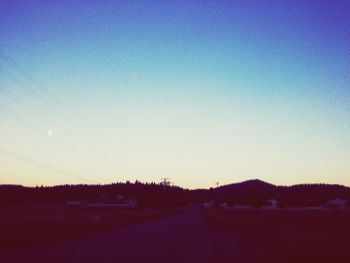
[249, 185]
[257, 192]
[253, 192]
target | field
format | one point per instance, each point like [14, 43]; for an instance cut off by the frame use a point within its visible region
[23, 225]
[289, 235]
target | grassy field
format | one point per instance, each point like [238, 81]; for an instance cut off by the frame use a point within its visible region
[290, 235]
[30, 224]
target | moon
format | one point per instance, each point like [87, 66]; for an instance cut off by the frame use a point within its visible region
[49, 133]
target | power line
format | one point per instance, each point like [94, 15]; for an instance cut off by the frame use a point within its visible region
[38, 94]
[22, 158]
[40, 88]
[24, 80]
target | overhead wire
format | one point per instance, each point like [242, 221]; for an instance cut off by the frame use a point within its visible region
[36, 94]
[23, 158]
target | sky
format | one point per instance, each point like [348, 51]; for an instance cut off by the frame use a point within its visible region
[195, 91]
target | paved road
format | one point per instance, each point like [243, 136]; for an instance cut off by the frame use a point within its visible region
[183, 237]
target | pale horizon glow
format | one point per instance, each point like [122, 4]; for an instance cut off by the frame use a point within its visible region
[198, 93]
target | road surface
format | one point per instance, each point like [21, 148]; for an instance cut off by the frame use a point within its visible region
[182, 237]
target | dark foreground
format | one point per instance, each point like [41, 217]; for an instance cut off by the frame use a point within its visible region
[26, 225]
[289, 235]
[182, 237]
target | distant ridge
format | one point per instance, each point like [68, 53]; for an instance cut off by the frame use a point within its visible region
[249, 183]
[257, 192]
[261, 183]
[254, 192]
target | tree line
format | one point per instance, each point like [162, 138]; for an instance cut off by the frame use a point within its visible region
[253, 192]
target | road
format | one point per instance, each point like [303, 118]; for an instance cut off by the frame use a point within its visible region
[182, 237]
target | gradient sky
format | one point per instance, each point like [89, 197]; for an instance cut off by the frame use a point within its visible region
[196, 91]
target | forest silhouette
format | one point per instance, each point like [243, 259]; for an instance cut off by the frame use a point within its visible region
[252, 192]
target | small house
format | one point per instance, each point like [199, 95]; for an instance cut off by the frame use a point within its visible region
[336, 203]
[272, 203]
[209, 204]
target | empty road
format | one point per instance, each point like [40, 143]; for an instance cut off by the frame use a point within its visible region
[182, 237]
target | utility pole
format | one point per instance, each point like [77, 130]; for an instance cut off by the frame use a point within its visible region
[165, 183]
[217, 194]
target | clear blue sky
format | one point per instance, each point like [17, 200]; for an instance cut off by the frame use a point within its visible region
[197, 91]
